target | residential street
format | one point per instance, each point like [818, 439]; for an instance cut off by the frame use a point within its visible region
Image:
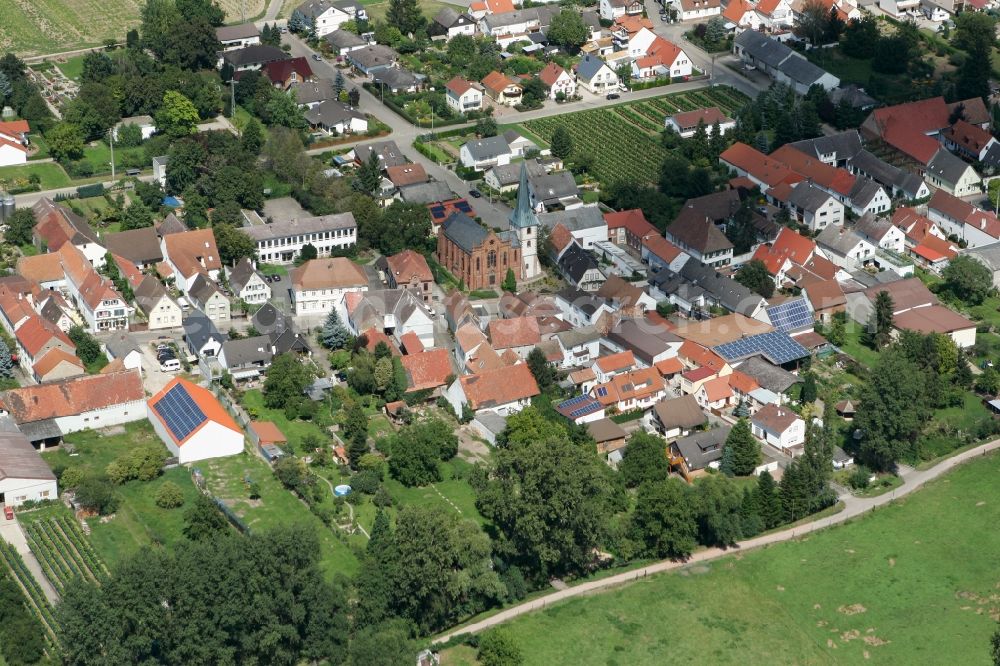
[853, 507]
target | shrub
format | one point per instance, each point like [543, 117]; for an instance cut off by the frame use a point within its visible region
[859, 478]
[169, 496]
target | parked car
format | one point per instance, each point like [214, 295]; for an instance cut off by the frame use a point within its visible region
[277, 278]
[475, 194]
[8, 512]
[613, 96]
[317, 57]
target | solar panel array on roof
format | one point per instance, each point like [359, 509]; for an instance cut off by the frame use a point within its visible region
[579, 406]
[793, 315]
[179, 412]
[602, 391]
[775, 346]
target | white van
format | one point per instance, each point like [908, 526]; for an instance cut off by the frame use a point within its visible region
[170, 365]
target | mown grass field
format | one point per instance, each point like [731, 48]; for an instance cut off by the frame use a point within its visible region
[39, 27]
[913, 583]
[51, 175]
[624, 139]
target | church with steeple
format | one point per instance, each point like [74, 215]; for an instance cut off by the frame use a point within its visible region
[524, 224]
[480, 257]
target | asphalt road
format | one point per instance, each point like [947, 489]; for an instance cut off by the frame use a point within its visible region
[853, 507]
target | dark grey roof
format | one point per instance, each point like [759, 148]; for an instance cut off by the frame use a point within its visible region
[228, 33]
[578, 336]
[768, 375]
[310, 92]
[806, 196]
[149, 293]
[541, 14]
[672, 284]
[769, 51]
[313, 8]
[992, 156]
[396, 78]
[388, 152]
[464, 231]
[171, 225]
[202, 289]
[289, 341]
[301, 225]
[592, 19]
[586, 303]
[425, 193]
[508, 174]
[577, 219]
[589, 66]
[373, 56]
[697, 233]
[838, 239]
[241, 275]
[702, 448]
[864, 190]
[199, 329]
[18, 458]
[259, 54]
[645, 339]
[575, 262]
[269, 319]
[683, 412]
[853, 95]
[332, 112]
[800, 70]
[450, 18]
[121, 344]
[873, 227]
[886, 174]
[946, 166]
[554, 186]
[140, 246]
[727, 292]
[247, 351]
[845, 145]
[51, 311]
[373, 307]
[343, 39]
[487, 148]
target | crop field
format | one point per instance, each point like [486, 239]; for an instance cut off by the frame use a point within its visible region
[40, 27]
[625, 139]
[915, 582]
[62, 549]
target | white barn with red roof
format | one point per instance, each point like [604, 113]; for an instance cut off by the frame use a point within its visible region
[192, 423]
[13, 142]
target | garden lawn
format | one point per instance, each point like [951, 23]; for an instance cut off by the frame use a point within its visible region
[52, 175]
[907, 584]
[138, 521]
[72, 68]
[452, 493]
[253, 402]
[377, 8]
[226, 479]
[99, 156]
[855, 347]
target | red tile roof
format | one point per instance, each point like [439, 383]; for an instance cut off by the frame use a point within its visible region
[934, 249]
[633, 220]
[768, 171]
[267, 432]
[810, 168]
[696, 356]
[788, 245]
[709, 115]
[560, 237]
[634, 385]
[206, 402]
[375, 336]
[971, 137]
[932, 319]
[411, 343]
[409, 265]
[913, 224]
[735, 10]
[193, 251]
[70, 397]
[279, 71]
[669, 366]
[742, 382]
[41, 267]
[660, 52]
[906, 126]
[493, 388]
[428, 369]
[514, 332]
[698, 374]
[550, 74]
[616, 362]
[661, 247]
[774, 418]
[825, 294]
[458, 85]
[497, 82]
[52, 359]
[36, 332]
[717, 389]
[406, 174]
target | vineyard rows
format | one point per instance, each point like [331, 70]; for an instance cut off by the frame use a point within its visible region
[624, 140]
[34, 596]
[63, 551]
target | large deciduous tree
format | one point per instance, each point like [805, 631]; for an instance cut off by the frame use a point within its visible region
[975, 33]
[967, 279]
[548, 501]
[568, 30]
[754, 276]
[891, 410]
[665, 519]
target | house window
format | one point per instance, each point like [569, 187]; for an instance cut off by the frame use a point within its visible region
[491, 259]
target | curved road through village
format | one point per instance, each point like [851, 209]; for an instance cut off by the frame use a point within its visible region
[853, 507]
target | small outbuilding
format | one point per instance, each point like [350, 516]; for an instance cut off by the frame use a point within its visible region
[24, 476]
